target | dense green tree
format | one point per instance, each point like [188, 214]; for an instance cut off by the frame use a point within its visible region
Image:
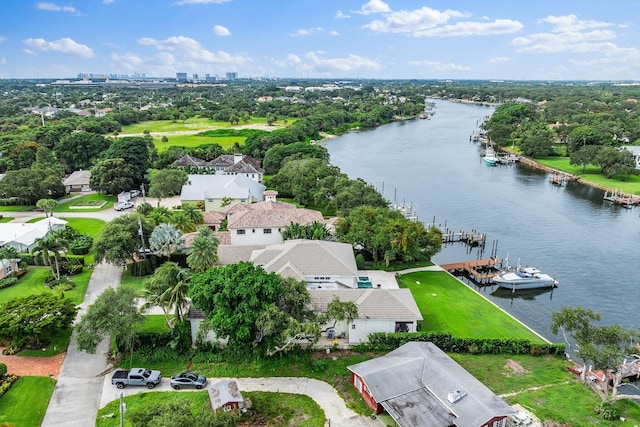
[166, 239]
[203, 252]
[167, 183]
[35, 317]
[135, 153]
[584, 135]
[584, 156]
[31, 185]
[614, 161]
[114, 314]
[112, 176]
[182, 221]
[193, 212]
[275, 155]
[233, 298]
[80, 149]
[159, 215]
[119, 240]
[537, 140]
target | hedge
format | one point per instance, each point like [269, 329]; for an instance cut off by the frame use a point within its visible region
[8, 281]
[381, 341]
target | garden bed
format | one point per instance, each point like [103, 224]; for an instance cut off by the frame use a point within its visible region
[88, 204]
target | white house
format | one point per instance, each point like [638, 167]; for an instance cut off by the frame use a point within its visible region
[379, 310]
[635, 150]
[262, 223]
[321, 264]
[218, 190]
[23, 236]
[238, 164]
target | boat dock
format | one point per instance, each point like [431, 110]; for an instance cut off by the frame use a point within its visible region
[471, 238]
[625, 200]
[482, 270]
[561, 179]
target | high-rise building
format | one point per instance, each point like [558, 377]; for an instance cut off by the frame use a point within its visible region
[195, 78]
[232, 76]
[181, 77]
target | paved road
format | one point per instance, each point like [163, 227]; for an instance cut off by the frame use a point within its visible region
[78, 391]
[336, 412]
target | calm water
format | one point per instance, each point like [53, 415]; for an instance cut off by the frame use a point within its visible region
[590, 246]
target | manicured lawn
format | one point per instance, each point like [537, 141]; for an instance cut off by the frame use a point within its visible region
[32, 283]
[154, 323]
[66, 206]
[192, 124]
[6, 219]
[270, 409]
[89, 226]
[447, 305]
[136, 283]
[16, 208]
[26, 402]
[195, 140]
[623, 183]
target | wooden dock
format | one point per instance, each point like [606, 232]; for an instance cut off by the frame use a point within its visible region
[625, 200]
[482, 270]
[471, 238]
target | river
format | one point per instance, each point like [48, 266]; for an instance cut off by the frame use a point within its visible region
[590, 246]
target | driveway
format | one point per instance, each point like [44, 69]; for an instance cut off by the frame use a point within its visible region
[78, 391]
[337, 413]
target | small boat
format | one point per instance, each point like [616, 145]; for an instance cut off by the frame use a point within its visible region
[524, 278]
[490, 157]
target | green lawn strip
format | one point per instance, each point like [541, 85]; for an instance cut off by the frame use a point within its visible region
[191, 141]
[448, 305]
[572, 404]
[136, 283]
[25, 404]
[193, 123]
[89, 226]
[16, 208]
[32, 220]
[154, 323]
[66, 206]
[6, 219]
[267, 408]
[623, 183]
[32, 283]
[318, 365]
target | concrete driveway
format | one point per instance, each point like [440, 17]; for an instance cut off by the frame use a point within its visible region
[337, 413]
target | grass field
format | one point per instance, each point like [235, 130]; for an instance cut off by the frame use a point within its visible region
[6, 219]
[191, 124]
[269, 409]
[190, 141]
[623, 183]
[66, 206]
[26, 402]
[90, 226]
[438, 294]
[16, 208]
[32, 283]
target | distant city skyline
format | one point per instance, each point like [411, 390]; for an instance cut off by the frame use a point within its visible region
[375, 39]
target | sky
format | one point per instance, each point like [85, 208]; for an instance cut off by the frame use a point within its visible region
[335, 39]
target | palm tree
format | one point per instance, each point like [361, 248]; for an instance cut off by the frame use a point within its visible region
[168, 288]
[193, 213]
[166, 239]
[48, 205]
[183, 222]
[204, 231]
[159, 215]
[203, 253]
[50, 244]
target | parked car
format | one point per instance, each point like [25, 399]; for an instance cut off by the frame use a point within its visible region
[188, 380]
[120, 206]
[134, 193]
[136, 376]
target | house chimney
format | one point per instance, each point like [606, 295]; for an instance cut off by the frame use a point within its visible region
[270, 195]
[237, 157]
[454, 396]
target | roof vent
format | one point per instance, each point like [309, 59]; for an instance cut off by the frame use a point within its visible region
[454, 396]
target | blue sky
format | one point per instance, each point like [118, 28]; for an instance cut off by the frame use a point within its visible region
[467, 39]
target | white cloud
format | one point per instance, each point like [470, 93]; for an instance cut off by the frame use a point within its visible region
[293, 58]
[182, 2]
[499, 26]
[334, 33]
[107, 1]
[338, 65]
[570, 23]
[56, 8]
[2, 39]
[133, 62]
[374, 6]
[64, 45]
[440, 66]
[219, 30]
[191, 49]
[341, 15]
[405, 21]
[498, 59]
[303, 32]
[29, 52]
[3, 60]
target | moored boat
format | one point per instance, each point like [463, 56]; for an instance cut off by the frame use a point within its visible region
[490, 157]
[524, 278]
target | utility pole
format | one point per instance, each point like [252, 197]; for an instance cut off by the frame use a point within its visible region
[144, 250]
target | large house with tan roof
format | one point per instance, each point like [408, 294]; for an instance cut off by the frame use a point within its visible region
[262, 223]
[319, 263]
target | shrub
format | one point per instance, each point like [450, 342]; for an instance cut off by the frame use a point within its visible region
[81, 245]
[607, 411]
[8, 281]
[3, 370]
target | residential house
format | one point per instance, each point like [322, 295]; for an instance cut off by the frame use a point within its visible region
[23, 236]
[635, 150]
[9, 266]
[226, 395]
[238, 164]
[379, 310]
[78, 181]
[320, 263]
[190, 162]
[219, 191]
[262, 223]
[213, 219]
[419, 385]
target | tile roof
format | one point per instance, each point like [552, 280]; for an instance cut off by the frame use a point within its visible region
[213, 217]
[269, 215]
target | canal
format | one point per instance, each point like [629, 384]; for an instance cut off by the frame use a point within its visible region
[590, 246]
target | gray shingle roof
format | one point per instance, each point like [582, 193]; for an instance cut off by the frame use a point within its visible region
[188, 160]
[423, 366]
[81, 177]
[397, 304]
